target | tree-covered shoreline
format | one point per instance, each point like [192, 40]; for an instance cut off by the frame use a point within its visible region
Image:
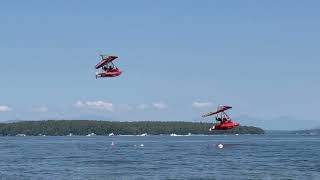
[84, 127]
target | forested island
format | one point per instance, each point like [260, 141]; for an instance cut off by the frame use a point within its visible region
[85, 127]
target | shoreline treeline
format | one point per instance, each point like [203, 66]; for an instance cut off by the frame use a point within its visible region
[84, 127]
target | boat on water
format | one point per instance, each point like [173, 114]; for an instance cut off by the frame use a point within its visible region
[91, 134]
[144, 134]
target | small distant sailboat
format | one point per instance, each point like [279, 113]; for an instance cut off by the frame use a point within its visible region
[144, 134]
[91, 134]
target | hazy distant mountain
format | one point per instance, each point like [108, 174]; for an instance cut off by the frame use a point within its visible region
[315, 131]
[10, 121]
[281, 123]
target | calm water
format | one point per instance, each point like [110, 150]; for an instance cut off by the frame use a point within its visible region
[161, 157]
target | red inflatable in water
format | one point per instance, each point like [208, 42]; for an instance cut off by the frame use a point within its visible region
[223, 118]
[107, 67]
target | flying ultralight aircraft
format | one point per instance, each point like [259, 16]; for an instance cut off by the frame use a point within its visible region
[223, 118]
[107, 67]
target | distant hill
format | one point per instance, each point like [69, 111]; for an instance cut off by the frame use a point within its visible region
[280, 123]
[84, 127]
[309, 131]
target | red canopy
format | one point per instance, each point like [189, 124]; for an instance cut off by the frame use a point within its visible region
[105, 60]
[220, 109]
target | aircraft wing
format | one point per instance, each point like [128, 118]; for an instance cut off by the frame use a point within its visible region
[220, 109]
[105, 60]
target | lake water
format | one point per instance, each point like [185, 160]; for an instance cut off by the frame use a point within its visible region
[161, 157]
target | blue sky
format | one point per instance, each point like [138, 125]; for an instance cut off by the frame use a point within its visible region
[180, 59]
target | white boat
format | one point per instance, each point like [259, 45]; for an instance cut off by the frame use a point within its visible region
[173, 134]
[144, 134]
[21, 135]
[91, 134]
[111, 134]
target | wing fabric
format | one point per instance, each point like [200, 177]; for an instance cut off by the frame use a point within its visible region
[220, 109]
[105, 60]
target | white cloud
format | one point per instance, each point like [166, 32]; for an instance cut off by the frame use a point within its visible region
[41, 109]
[125, 107]
[142, 106]
[108, 106]
[156, 105]
[98, 105]
[79, 104]
[198, 104]
[4, 108]
[159, 105]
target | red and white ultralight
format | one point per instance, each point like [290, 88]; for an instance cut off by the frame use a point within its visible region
[225, 121]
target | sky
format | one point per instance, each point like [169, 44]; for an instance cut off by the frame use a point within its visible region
[180, 59]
